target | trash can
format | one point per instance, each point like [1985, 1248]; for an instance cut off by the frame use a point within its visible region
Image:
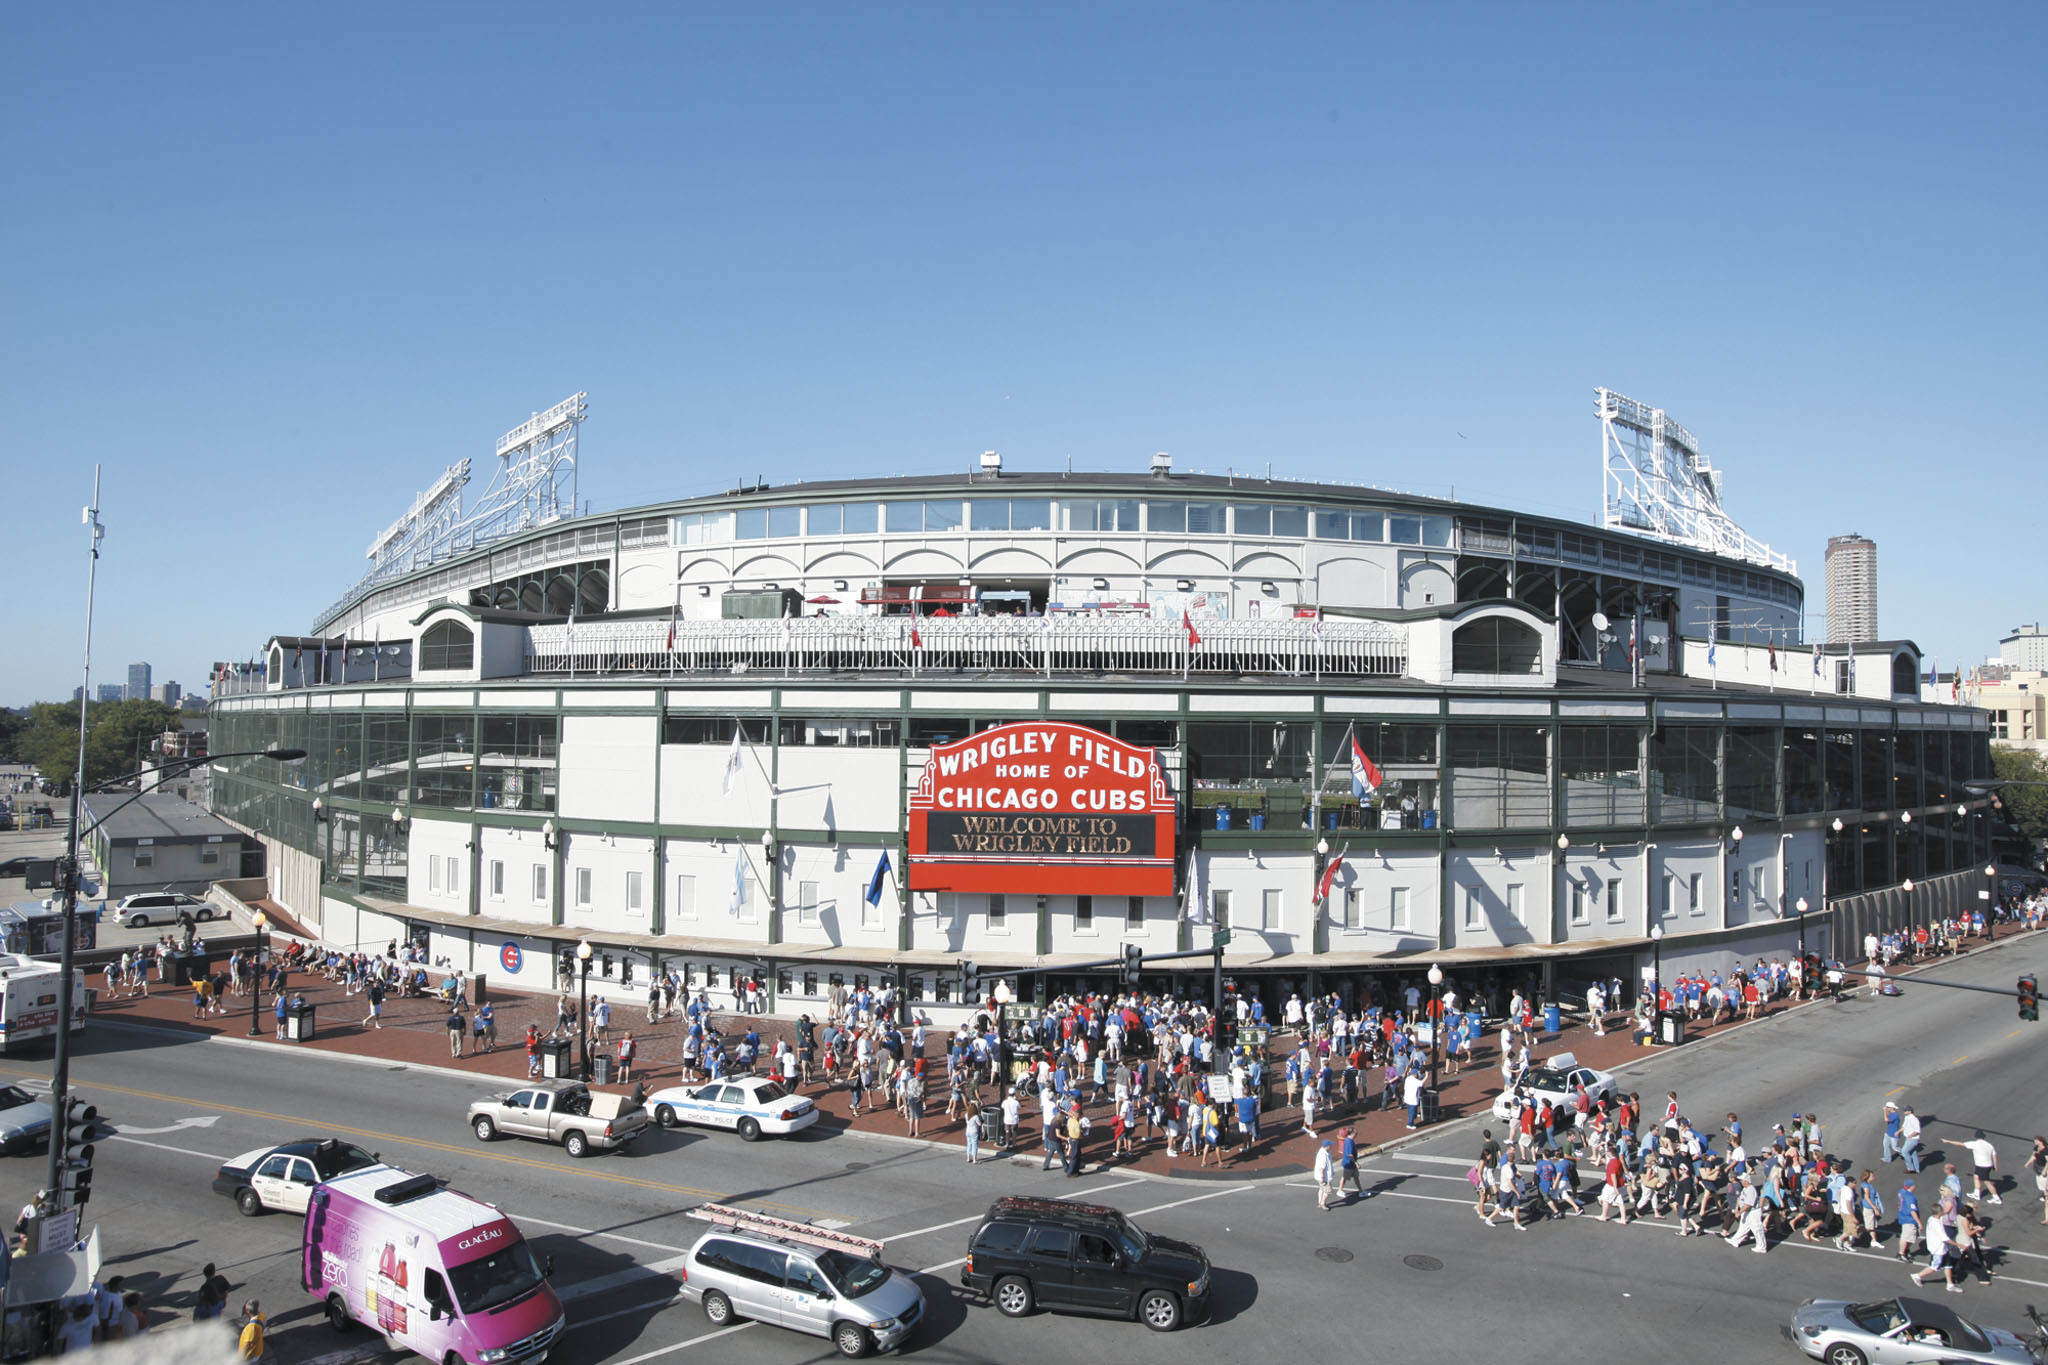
[1428, 1107]
[992, 1126]
[1553, 1020]
[480, 994]
[1429, 819]
[554, 1058]
[1258, 820]
[1223, 817]
[298, 1022]
[601, 1068]
[1671, 1029]
[1330, 819]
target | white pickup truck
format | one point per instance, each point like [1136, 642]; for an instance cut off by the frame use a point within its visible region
[582, 1120]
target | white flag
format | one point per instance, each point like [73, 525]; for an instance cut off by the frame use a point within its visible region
[1191, 904]
[732, 761]
[739, 876]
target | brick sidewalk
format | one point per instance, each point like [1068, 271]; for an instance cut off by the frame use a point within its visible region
[414, 1033]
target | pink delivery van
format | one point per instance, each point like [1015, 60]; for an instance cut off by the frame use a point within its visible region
[434, 1271]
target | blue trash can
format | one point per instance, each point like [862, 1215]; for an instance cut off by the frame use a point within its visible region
[1330, 819]
[1478, 1022]
[1429, 819]
[1553, 1020]
[1223, 817]
[1259, 820]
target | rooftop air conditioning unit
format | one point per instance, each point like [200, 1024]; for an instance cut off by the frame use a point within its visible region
[991, 462]
[1162, 464]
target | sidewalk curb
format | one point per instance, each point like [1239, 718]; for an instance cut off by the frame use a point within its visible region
[270, 1045]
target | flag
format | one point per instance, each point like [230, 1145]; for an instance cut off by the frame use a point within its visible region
[1930, 672]
[732, 759]
[1955, 685]
[1816, 658]
[671, 633]
[1773, 648]
[739, 876]
[1365, 774]
[1713, 654]
[1191, 902]
[916, 640]
[873, 895]
[1188, 624]
[1329, 875]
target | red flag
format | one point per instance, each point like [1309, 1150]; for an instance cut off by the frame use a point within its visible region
[1329, 875]
[1188, 624]
[916, 641]
[671, 634]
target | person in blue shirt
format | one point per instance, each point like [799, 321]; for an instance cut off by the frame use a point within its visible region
[1891, 1132]
[1909, 1220]
[1248, 1121]
[1546, 1187]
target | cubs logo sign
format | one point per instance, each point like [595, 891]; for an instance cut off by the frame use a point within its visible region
[1042, 807]
[510, 958]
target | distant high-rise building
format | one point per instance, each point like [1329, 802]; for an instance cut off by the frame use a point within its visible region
[2026, 647]
[192, 701]
[167, 693]
[112, 692]
[138, 682]
[1852, 589]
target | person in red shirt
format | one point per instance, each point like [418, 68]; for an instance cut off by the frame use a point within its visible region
[532, 1051]
[1614, 1189]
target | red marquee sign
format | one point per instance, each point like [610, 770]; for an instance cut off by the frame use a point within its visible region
[1042, 807]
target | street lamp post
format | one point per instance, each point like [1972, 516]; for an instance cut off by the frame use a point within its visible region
[1002, 996]
[1436, 1022]
[1801, 907]
[1991, 895]
[260, 923]
[1657, 981]
[583, 1007]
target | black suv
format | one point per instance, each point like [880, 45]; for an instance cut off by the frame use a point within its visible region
[1086, 1258]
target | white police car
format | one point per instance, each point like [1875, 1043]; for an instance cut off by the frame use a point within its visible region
[748, 1105]
[1557, 1080]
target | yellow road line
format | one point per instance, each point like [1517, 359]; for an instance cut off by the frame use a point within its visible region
[472, 1150]
[1895, 1090]
[1960, 1060]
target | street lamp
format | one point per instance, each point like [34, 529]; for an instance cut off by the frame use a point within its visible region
[583, 1005]
[1436, 1022]
[1991, 895]
[259, 923]
[1003, 996]
[1801, 906]
[1657, 981]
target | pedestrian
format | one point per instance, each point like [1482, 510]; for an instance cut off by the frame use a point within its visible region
[2037, 1162]
[856, 1087]
[1411, 1095]
[1077, 1132]
[1053, 1150]
[1940, 1255]
[1013, 1110]
[532, 1051]
[456, 1023]
[1909, 1138]
[375, 1018]
[625, 1057]
[1909, 1220]
[1985, 1157]
[1750, 1222]
[972, 1130]
[913, 1099]
[282, 1006]
[1326, 1176]
[486, 1030]
[212, 1300]
[1347, 1163]
[252, 1322]
[1890, 1144]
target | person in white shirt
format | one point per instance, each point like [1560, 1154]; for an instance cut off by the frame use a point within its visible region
[1326, 1176]
[1986, 1158]
[1596, 1009]
[1909, 1139]
[1940, 1256]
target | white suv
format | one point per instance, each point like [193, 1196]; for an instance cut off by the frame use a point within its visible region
[160, 907]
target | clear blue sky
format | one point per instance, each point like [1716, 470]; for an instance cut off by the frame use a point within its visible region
[275, 266]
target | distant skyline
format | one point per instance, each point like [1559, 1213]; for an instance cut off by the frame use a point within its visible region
[280, 268]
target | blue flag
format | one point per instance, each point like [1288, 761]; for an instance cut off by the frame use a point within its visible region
[875, 882]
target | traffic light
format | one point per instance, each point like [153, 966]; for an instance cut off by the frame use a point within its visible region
[2030, 999]
[74, 1168]
[970, 985]
[1134, 963]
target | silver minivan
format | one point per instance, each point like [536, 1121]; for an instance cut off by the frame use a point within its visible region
[829, 1284]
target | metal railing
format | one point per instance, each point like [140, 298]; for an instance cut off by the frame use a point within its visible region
[1046, 645]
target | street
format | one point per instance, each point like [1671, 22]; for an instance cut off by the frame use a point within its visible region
[1411, 1270]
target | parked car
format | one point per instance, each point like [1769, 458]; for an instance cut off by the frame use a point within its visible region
[160, 907]
[829, 1284]
[1899, 1331]
[1557, 1080]
[13, 867]
[579, 1118]
[24, 1120]
[1086, 1258]
[748, 1105]
[282, 1178]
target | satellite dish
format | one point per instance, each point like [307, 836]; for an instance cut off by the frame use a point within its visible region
[1599, 620]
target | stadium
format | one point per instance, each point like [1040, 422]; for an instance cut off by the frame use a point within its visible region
[880, 729]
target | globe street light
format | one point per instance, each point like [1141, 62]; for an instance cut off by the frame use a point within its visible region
[1436, 1022]
[259, 923]
[1801, 906]
[1657, 981]
[583, 1005]
[1991, 895]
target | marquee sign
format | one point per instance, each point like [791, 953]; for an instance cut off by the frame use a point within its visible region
[1042, 807]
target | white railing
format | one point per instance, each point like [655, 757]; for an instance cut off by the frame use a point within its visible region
[1045, 645]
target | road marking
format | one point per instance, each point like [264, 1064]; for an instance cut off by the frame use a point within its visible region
[206, 1122]
[473, 1150]
[1418, 1156]
[651, 1306]
[943, 1265]
[1895, 1090]
[598, 1284]
[592, 1232]
[1196, 1199]
[686, 1345]
[165, 1147]
[976, 1217]
[1960, 1060]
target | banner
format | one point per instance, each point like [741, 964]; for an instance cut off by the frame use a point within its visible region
[1042, 808]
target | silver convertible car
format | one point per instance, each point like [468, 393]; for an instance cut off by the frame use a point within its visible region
[1901, 1332]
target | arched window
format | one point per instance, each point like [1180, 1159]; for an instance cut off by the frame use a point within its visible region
[1905, 675]
[447, 646]
[1496, 644]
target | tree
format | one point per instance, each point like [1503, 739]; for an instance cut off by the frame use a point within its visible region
[2028, 806]
[117, 738]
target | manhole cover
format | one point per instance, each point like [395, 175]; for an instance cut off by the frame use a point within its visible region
[1337, 1254]
[856, 1165]
[1422, 1263]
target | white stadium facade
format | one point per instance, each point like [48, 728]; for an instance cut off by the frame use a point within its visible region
[1075, 712]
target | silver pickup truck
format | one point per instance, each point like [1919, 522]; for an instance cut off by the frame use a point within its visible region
[579, 1118]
